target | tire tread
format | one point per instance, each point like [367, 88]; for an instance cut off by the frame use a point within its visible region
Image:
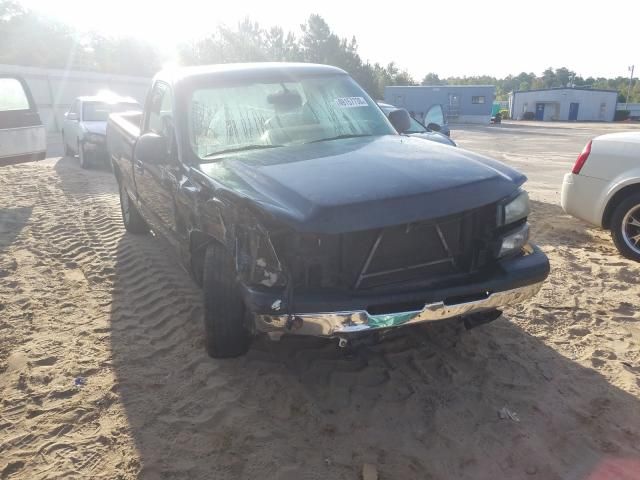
[226, 334]
[616, 226]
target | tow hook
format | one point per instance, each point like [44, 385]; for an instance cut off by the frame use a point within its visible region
[476, 319]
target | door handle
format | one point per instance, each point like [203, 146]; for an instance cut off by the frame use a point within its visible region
[189, 189]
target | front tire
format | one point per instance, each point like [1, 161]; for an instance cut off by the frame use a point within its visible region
[625, 227]
[224, 309]
[133, 221]
[82, 157]
[67, 151]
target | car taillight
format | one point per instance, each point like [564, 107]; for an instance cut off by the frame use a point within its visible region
[582, 158]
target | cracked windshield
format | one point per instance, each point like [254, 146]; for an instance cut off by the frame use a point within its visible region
[281, 113]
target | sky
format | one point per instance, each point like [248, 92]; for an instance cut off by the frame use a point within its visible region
[449, 37]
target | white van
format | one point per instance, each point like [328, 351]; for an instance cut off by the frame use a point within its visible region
[22, 135]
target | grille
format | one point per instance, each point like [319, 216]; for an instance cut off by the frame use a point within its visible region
[431, 251]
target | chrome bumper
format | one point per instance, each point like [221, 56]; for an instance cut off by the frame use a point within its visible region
[329, 324]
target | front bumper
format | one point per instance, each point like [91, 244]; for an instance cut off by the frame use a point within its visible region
[95, 150]
[513, 281]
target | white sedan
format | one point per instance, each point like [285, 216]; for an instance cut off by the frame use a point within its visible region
[85, 125]
[604, 188]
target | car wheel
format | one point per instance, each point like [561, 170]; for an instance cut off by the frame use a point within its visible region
[625, 227]
[133, 221]
[224, 310]
[67, 151]
[82, 156]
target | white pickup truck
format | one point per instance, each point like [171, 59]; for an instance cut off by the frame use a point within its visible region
[604, 188]
[22, 135]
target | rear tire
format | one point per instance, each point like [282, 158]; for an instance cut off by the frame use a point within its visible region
[133, 221]
[625, 226]
[224, 309]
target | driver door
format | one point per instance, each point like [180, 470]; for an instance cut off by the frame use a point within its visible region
[22, 135]
[156, 181]
[435, 115]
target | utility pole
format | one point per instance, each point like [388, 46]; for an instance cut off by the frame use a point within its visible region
[626, 104]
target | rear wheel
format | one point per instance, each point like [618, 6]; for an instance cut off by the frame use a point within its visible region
[133, 221]
[224, 309]
[625, 227]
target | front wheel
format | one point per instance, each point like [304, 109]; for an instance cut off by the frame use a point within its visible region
[224, 309]
[625, 227]
[82, 156]
[133, 221]
[67, 151]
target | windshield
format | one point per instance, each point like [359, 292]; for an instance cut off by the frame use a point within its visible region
[415, 127]
[281, 113]
[99, 111]
[12, 95]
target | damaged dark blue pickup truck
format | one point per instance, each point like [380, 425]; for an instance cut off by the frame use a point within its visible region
[299, 209]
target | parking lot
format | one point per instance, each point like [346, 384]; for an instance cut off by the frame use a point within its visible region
[103, 373]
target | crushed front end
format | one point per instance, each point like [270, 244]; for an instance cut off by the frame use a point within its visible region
[341, 284]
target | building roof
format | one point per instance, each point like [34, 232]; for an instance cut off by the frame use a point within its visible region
[565, 88]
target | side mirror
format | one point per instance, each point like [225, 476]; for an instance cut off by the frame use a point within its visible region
[151, 148]
[400, 120]
[71, 116]
[434, 126]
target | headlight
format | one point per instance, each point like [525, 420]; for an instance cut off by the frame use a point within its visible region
[515, 210]
[94, 138]
[514, 241]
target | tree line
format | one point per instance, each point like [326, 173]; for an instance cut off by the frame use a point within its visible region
[550, 78]
[27, 38]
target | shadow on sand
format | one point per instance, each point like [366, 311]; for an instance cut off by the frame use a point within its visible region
[12, 221]
[421, 405]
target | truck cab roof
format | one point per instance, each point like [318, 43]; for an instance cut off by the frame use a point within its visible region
[245, 71]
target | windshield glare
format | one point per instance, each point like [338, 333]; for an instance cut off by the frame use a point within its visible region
[281, 113]
[99, 111]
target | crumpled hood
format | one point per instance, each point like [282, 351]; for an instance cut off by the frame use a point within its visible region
[363, 183]
[95, 127]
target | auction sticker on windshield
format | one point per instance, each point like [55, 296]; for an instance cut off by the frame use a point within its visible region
[351, 102]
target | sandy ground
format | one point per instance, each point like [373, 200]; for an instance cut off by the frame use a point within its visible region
[103, 372]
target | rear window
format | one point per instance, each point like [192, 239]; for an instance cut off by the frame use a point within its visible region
[12, 95]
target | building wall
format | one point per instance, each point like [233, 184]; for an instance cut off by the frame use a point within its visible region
[54, 90]
[594, 105]
[419, 99]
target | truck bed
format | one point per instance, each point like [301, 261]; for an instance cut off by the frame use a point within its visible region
[123, 130]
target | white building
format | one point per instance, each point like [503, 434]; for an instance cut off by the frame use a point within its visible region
[460, 103]
[579, 104]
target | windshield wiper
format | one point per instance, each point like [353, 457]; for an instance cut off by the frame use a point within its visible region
[340, 137]
[241, 149]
